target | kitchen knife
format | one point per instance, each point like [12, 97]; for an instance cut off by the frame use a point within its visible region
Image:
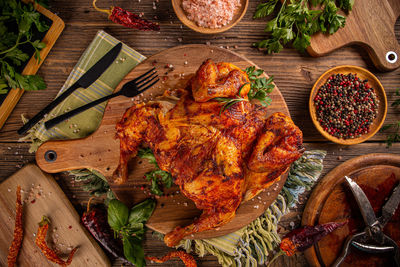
[85, 81]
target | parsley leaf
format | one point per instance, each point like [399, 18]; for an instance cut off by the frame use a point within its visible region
[157, 177]
[295, 22]
[21, 16]
[394, 136]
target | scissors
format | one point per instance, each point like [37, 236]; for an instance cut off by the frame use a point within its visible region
[372, 239]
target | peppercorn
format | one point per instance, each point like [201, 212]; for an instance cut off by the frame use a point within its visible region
[346, 106]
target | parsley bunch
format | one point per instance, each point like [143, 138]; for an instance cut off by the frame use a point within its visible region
[295, 22]
[394, 136]
[259, 89]
[157, 177]
[15, 14]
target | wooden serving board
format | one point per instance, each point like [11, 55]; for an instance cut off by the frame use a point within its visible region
[42, 196]
[100, 151]
[370, 25]
[332, 200]
[33, 65]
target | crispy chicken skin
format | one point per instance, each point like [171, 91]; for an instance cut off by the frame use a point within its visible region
[216, 159]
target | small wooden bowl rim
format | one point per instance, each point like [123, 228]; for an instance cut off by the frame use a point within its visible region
[379, 90]
[180, 13]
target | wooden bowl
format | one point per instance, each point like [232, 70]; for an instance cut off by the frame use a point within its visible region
[372, 81]
[180, 13]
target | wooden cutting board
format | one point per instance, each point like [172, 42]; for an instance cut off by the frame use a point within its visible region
[370, 25]
[331, 200]
[48, 199]
[100, 151]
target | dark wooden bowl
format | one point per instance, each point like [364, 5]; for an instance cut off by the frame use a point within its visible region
[373, 82]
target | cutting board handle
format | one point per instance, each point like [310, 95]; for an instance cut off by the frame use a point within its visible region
[66, 155]
[385, 54]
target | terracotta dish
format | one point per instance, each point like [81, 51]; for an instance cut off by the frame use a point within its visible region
[372, 81]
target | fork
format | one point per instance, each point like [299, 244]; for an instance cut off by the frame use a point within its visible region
[130, 89]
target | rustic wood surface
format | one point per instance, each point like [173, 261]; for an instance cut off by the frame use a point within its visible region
[88, 153]
[42, 196]
[294, 74]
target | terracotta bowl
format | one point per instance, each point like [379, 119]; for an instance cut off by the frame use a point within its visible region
[372, 81]
[180, 13]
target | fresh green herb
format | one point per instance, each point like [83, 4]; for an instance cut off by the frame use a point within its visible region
[157, 177]
[23, 16]
[395, 135]
[295, 22]
[129, 226]
[259, 89]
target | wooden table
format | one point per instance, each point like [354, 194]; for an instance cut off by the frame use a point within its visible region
[294, 74]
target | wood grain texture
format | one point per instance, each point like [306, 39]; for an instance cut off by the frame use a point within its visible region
[181, 14]
[294, 74]
[369, 25]
[33, 65]
[363, 74]
[327, 203]
[47, 199]
[100, 150]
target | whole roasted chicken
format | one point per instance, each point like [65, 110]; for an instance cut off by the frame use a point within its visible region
[218, 159]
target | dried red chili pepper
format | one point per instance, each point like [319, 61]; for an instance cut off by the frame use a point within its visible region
[187, 259]
[18, 232]
[302, 238]
[128, 19]
[95, 220]
[48, 252]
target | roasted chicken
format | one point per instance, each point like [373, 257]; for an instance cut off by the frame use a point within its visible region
[218, 159]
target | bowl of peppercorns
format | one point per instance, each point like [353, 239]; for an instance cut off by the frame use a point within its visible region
[348, 105]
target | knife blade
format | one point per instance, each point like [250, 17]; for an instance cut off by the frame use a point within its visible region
[85, 81]
[390, 206]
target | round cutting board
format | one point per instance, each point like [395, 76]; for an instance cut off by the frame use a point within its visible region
[331, 200]
[100, 151]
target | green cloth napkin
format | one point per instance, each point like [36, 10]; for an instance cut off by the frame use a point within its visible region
[247, 246]
[87, 122]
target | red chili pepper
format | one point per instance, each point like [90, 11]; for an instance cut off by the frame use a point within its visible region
[48, 252]
[128, 19]
[95, 220]
[187, 259]
[302, 238]
[18, 232]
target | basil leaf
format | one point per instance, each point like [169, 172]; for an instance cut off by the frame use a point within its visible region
[118, 214]
[141, 212]
[133, 250]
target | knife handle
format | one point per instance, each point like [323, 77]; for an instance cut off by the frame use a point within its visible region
[53, 122]
[47, 109]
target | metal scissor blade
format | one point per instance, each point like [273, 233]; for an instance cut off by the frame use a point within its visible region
[390, 206]
[363, 203]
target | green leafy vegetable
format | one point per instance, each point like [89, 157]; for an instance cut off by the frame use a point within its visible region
[394, 136]
[129, 226]
[295, 21]
[260, 88]
[157, 177]
[118, 214]
[23, 16]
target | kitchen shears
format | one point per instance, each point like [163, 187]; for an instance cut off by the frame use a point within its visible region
[372, 239]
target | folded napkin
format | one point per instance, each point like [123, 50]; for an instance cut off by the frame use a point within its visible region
[247, 246]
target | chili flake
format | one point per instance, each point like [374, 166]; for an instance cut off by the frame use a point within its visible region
[346, 106]
[48, 252]
[18, 232]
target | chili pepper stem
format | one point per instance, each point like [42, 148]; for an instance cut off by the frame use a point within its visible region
[108, 11]
[277, 255]
[88, 204]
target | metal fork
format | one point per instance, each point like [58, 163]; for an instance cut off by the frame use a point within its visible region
[130, 89]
